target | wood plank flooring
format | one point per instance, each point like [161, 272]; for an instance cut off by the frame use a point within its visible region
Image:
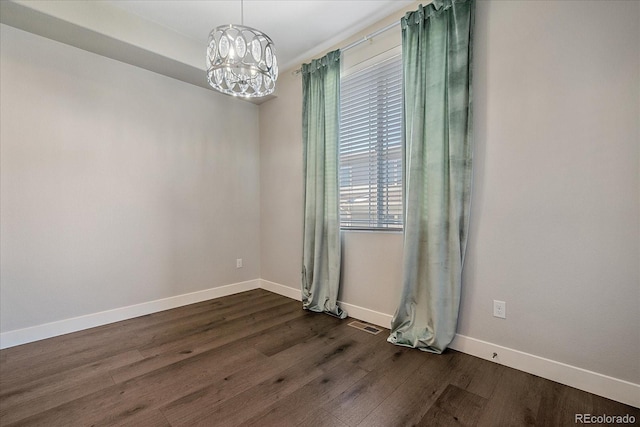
[258, 359]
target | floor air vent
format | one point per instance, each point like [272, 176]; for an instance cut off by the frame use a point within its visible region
[366, 327]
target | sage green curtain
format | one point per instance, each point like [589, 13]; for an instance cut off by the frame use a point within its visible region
[320, 127]
[437, 57]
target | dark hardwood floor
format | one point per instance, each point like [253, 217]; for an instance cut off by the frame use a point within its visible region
[257, 358]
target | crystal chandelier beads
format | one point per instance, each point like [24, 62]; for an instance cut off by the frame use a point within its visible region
[241, 61]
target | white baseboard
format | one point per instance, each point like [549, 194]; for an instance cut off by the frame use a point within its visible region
[61, 327]
[357, 312]
[582, 379]
[283, 290]
[367, 315]
[592, 382]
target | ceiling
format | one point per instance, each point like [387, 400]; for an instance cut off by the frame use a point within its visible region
[169, 37]
[297, 28]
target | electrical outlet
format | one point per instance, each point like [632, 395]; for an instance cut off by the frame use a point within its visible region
[239, 263]
[499, 309]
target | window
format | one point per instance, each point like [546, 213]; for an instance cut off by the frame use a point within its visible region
[371, 145]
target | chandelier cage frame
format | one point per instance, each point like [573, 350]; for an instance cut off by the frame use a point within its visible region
[241, 60]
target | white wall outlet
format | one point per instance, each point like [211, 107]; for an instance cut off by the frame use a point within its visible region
[239, 263]
[499, 309]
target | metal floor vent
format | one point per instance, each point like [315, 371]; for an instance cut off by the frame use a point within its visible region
[365, 327]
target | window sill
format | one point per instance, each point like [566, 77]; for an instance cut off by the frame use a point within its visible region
[372, 230]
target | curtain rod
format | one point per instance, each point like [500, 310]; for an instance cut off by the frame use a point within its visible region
[360, 41]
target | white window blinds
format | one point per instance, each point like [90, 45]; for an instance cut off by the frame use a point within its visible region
[371, 147]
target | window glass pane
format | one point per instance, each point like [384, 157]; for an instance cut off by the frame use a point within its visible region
[371, 147]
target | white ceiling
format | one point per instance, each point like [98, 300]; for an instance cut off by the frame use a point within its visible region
[298, 28]
[169, 37]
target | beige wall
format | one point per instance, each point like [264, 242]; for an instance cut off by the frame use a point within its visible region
[281, 202]
[555, 226]
[281, 218]
[118, 186]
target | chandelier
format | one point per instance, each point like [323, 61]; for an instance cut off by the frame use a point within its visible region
[241, 61]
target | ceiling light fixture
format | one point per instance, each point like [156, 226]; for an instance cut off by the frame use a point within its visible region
[241, 61]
